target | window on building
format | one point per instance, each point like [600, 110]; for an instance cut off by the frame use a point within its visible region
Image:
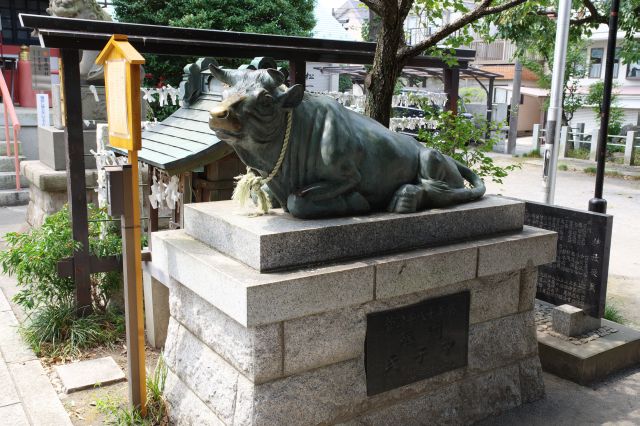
[12, 31]
[580, 67]
[595, 62]
[616, 63]
[633, 70]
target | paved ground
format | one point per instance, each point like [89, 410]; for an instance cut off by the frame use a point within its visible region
[614, 402]
[27, 397]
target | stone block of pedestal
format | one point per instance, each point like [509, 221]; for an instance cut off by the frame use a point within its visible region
[48, 189]
[290, 347]
[280, 241]
[51, 148]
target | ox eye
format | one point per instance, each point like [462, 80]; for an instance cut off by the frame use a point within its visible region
[265, 99]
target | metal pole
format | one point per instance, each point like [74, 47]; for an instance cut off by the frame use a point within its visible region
[555, 103]
[597, 203]
[515, 106]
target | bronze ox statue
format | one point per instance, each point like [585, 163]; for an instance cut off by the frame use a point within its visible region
[333, 161]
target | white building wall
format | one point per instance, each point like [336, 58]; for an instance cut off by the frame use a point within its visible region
[591, 121]
[316, 81]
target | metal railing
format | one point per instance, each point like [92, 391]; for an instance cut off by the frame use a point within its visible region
[10, 113]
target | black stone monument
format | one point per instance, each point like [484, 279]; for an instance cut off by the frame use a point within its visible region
[579, 275]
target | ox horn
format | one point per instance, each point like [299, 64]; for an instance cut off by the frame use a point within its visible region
[276, 76]
[222, 75]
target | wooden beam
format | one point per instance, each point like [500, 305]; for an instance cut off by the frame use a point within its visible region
[96, 264]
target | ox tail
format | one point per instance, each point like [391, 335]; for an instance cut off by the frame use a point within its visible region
[440, 194]
[477, 188]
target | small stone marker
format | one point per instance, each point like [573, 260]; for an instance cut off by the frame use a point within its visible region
[572, 321]
[87, 374]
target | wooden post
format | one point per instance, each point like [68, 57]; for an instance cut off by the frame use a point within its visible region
[76, 183]
[298, 72]
[451, 86]
[131, 252]
[490, 100]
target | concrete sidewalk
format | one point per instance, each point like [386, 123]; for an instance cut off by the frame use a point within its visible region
[27, 397]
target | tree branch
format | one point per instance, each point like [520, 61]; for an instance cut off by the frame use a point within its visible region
[378, 6]
[592, 9]
[483, 9]
[502, 7]
[586, 20]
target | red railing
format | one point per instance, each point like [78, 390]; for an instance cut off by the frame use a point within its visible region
[10, 113]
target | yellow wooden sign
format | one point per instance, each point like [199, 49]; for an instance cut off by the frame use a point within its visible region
[122, 84]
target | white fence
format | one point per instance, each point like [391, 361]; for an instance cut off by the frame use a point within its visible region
[577, 139]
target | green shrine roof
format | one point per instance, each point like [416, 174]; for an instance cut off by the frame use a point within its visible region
[183, 141]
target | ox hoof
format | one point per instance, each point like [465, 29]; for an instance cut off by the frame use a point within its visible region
[407, 199]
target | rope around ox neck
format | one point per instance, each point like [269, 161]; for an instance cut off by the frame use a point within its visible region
[249, 184]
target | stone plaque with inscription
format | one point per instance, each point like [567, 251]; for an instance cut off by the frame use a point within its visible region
[579, 275]
[415, 342]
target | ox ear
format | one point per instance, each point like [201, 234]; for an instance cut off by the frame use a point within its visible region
[220, 74]
[277, 77]
[292, 97]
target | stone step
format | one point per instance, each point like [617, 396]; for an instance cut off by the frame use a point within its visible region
[8, 180]
[7, 163]
[13, 197]
[3, 146]
[26, 117]
[278, 240]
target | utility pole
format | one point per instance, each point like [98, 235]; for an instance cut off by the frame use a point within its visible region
[555, 103]
[597, 203]
[515, 107]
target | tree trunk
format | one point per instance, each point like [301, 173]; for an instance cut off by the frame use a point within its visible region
[380, 81]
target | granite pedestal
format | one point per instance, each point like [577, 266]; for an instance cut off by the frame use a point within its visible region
[288, 346]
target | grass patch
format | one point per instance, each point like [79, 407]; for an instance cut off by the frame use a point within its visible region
[55, 331]
[580, 153]
[156, 404]
[591, 170]
[533, 154]
[612, 313]
[563, 167]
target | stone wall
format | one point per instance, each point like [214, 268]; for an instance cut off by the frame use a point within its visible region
[288, 347]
